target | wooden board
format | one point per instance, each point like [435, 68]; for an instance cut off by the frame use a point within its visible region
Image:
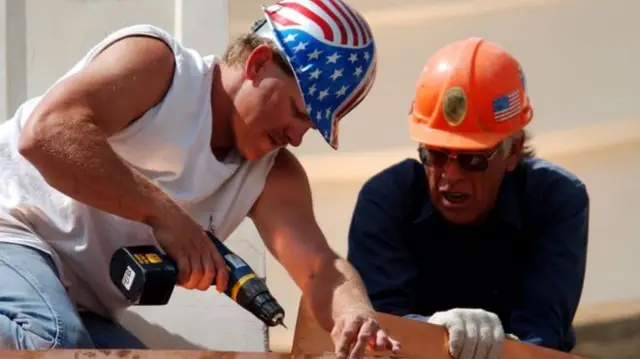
[149, 354]
[419, 340]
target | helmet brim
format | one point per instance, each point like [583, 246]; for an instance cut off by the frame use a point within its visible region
[454, 141]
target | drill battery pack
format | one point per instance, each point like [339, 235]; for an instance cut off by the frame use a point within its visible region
[143, 274]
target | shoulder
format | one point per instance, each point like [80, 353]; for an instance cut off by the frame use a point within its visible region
[142, 30]
[398, 176]
[147, 35]
[396, 184]
[175, 50]
[286, 173]
[286, 187]
[138, 48]
[287, 166]
[554, 189]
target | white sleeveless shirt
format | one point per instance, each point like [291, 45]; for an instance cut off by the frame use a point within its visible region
[170, 144]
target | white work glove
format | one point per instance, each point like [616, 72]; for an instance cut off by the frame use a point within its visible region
[473, 333]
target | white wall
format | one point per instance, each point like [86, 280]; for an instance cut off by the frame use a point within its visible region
[39, 41]
[61, 31]
[13, 86]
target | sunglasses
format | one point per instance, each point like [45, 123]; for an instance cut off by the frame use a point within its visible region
[471, 162]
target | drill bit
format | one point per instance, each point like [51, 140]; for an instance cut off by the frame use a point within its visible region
[279, 321]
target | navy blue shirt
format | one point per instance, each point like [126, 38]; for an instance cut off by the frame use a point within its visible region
[525, 263]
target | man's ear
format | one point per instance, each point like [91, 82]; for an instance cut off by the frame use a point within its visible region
[257, 62]
[515, 152]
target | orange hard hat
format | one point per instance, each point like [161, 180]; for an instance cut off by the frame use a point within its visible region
[470, 95]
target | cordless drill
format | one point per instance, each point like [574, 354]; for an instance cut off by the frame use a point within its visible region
[146, 276]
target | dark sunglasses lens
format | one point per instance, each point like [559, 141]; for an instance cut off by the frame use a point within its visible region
[436, 158]
[473, 162]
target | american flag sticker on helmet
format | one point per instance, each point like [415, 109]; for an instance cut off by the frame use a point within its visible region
[507, 106]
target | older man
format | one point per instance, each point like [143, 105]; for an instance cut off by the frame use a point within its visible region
[145, 141]
[479, 235]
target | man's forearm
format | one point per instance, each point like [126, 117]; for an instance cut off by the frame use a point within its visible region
[340, 286]
[351, 293]
[75, 158]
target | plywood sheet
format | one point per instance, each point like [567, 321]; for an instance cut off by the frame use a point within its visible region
[419, 340]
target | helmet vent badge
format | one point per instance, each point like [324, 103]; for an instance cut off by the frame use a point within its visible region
[454, 106]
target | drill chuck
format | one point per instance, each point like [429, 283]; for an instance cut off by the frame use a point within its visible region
[246, 289]
[146, 276]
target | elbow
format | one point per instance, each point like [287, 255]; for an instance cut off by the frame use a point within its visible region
[32, 137]
[327, 269]
[318, 291]
[40, 132]
[323, 268]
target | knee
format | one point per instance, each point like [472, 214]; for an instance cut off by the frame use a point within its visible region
[43, 334]
[36, 312]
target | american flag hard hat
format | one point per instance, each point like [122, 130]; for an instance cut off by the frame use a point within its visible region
[332, 52]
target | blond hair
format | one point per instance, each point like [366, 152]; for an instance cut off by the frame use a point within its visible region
[239, 49]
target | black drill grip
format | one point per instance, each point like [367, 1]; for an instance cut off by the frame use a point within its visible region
[240, 273]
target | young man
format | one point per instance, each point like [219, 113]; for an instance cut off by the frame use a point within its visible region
[145, 141]
[479, 235]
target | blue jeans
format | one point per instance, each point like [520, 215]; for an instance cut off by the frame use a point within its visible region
[36, 312]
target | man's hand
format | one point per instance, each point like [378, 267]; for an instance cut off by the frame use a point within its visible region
[198, 260]
[357, 329]
[473, 333]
